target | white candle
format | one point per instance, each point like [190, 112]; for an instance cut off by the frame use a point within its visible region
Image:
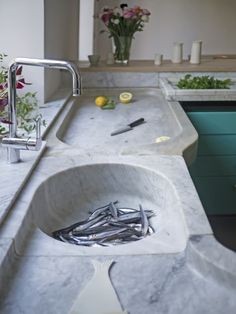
[177, 56]
[196, 52]
[158, 59]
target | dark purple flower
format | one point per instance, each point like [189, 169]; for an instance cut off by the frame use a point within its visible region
[123, 5]
[3, 103]
[3, 120]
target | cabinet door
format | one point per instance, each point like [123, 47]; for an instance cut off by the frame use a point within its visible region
[217, 145]
[217, 194]
[214, 122]
[206, 166]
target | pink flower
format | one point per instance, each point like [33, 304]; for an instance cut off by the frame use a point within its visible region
[146, 12]
[128, 14]
[105, 17]
[3, 103]
[3, 86]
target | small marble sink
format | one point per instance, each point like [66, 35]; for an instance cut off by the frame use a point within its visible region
[88, 129]
[66, 198]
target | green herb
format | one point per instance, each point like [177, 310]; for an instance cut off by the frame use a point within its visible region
[26, 105]
[27, 112]
[110, 104]
[203, 82]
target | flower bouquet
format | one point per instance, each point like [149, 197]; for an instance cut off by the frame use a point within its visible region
[122, 23]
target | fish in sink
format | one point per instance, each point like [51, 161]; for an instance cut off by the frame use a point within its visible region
[108, 225]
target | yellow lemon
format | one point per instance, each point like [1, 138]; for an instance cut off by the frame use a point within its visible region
[125, 97]
[162, 139]
[101, 101]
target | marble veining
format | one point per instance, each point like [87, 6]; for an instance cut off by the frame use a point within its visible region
[166, 286]
[197, 277]
[68, 196]
[156, 179]
[14, 176]
[87, 128]
[116, 79]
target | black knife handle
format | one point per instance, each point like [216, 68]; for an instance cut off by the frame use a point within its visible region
[136, 122]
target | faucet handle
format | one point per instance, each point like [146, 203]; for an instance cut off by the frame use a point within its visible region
[35, 143]
[38, 128]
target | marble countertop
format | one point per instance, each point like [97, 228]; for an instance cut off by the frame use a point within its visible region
[12, 184]
[199, 278]
[87, 129]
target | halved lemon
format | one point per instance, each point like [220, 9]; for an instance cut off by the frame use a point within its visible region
[162, 139]
[126, 97]
[101, 101]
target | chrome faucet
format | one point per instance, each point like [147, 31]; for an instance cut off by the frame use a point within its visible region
[13, 143]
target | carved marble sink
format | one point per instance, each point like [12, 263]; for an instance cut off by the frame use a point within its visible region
[67, 197]
[88, 129]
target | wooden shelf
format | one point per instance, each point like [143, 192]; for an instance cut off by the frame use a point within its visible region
[208, 64]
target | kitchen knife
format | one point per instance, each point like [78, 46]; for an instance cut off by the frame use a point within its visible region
[128, 127]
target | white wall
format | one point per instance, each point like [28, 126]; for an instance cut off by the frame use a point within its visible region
[212, 21]
[61, 37]
[86, 28]
[22, 32]
[39, 29]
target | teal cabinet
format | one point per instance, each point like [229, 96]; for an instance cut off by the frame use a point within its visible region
[218, 144]
[209, 166]
[217, 194]
[214, 122]
[214, 171]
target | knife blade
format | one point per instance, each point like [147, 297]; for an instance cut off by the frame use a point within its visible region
[128, 127]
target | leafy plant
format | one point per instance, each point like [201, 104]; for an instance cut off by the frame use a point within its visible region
[203, 82]
[26, 105]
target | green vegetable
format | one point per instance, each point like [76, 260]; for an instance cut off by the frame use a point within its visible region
[110, 105]
[203, 82]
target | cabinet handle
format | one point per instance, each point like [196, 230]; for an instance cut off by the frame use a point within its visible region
[234, 186]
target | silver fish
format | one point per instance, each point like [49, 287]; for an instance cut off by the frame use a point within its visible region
[129, 227]
[73, 240]
[108, 225]
[98, 211]
[98, 229]
[133, 217]
[151, 230]
[113, 210]
[81, 225]
[126, 210]
[88, 223]
[144, 221]
[101, 235]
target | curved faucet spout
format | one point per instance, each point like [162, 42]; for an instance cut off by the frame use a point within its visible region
[13, 143]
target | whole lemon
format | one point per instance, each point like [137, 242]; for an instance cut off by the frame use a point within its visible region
[126, 97]
[101, 101]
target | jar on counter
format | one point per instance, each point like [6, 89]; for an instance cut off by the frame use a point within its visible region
[177, 55]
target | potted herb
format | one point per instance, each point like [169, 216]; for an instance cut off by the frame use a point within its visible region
[26, 104]
[202, 82]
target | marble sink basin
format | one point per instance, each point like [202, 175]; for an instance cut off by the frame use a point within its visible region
[88, 129]
[67, 197]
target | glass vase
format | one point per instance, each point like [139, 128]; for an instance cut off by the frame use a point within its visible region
[122, 49]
